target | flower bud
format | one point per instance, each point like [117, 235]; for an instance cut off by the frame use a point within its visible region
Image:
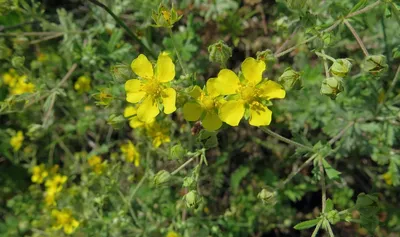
[121, 72]
[332, 86]
[375, 64]
[35, 131]
[165, 17]
[341, 67]
[193, 199]
[333, 217]
[267, 196]
[219, 53]
[18, 61]
[103, 97]
[116, 121]
[177, 152]
[189, 182]
[290, 79]
[267, 56]
[162, 177]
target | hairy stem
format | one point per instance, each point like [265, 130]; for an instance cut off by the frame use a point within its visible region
[183, 165]
[359, 41]
[315, 232]
[325, 64]
[341, 133]
[294, 173]
[323, 185]
[284, 139]
[126, 28]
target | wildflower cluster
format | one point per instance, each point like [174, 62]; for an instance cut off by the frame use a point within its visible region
[227, 98]
[97, 164]
[17, 84]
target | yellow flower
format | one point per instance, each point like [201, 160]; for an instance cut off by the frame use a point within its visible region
[21, 86]
[53, 187]
[82, 84]
[39, 174]
[172, 233]
[130, 112]
[96, 162]
[247, 95]
[158, 133]
[65, 220]
[205, 106]
[152, 89]
[130, 153]
[10, 78]
[388, 178]
[16, 140]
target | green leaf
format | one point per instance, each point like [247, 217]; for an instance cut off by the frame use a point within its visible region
[331, 172]
[359, 5]
[365, 200]
[307, 224]
[329, 205]
[237, 177]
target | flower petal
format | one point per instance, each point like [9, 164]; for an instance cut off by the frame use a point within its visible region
[165, 68]
[192, 111]
[227, 82]
[211, 121]
[212, 88]
[260, 115]
[195, 92]
[142, 67]
[133, 91]
[232, 112]
[129, 111]
[252, 70]
[148, 110]
[271, 90]
[168, 100]
[135, 122]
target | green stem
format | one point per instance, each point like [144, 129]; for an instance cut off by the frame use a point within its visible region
[326, 62]
[323, 185]
[176, 51]
[126, 28]
[325, 56]
[330, 230]
[315, 232]
[183, 166]
[132, 213]
[284, 139]
[359, 41]
[392, 85]
[138, 186]
[294, 173]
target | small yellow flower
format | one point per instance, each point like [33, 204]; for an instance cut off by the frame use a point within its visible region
[130, 112]
[247, 95]
[172, 233]
[97, 164]
[17, 140]
[158, 133]
[10, 78]
[39, 174]
[388, 178]
[21, 86]
[53, 187]
[65, 220]
[152, 89]
[204, 107]
[130, 153]
[82, 84]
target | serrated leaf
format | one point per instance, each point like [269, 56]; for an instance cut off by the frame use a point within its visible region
[237, 177]
[306, 224]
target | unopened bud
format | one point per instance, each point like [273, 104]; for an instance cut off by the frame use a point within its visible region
[341, 67]
[121, 72]
[267, 196]
[332, 86]
[290, 79]
[189, 182]
[162, 177]
[116, 121]
[267, 56]
[18, 61]
[375, 64]
[193, 199]
[165, 17]
[219, 53]
[177, 152]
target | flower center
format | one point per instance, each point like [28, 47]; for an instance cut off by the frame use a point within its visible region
[152, 87]
[248, 93]
[207, 102]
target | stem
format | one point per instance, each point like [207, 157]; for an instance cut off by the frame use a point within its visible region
[287, 41]
[294, 173]
[284, 139]
[325, 63]
[183, 166]
[132, 213]
[359, 41]
[341, 133]
[330, 230]
[391, 87]
[138, 186]
[365, 9]
[315, 232]
[46, 38]
[323, 185]
[126, 28]
[176, 51]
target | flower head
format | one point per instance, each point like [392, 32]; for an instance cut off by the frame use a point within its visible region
[159, 133]
[204, 106]
[97, 164]
[22, 86]
[130, 153]
[39, 174]
[17, 140]
[82, 84]
[152, 90]
[247, 95]
[64, 219]
[53, 187]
